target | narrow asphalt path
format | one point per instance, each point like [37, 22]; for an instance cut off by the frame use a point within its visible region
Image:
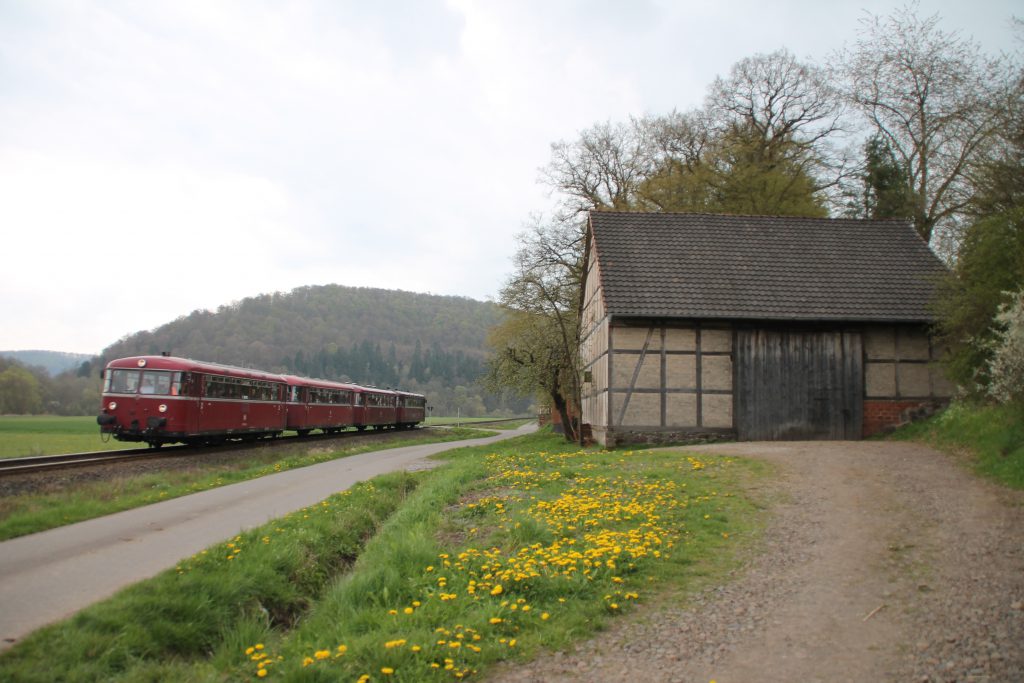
[51, 575]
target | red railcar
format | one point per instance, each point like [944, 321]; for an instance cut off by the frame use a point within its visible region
[161, 399]
[319, 404]
[412, 409]
[376, 408]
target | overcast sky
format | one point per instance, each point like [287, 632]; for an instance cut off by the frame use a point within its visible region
[162, 157]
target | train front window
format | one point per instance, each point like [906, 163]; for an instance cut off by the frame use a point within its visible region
[123, 381]
[155, 382]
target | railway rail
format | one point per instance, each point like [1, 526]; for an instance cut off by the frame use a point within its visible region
[38, 463]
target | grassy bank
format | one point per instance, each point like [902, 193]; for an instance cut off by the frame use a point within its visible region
[427, 577]
[991, 437]
[27, 513]
[23, 435]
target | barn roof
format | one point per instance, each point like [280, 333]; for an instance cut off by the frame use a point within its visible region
[681, 265]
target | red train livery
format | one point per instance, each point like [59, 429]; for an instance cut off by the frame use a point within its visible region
[162, 399]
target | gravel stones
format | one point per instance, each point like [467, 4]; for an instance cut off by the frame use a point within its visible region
[882, 561]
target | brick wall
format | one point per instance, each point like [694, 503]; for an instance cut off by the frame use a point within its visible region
[883, 414]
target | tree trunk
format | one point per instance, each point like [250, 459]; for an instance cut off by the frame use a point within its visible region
[562, 406]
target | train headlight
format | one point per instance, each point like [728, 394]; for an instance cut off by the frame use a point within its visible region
[162, 407]
[112, 405]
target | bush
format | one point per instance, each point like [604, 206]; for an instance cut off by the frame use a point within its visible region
[1006, 369]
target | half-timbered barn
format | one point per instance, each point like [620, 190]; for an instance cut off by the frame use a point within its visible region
[754, 327]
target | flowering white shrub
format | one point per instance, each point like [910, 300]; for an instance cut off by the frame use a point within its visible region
[1006, 369]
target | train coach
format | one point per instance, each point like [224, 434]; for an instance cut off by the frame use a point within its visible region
[163, 399]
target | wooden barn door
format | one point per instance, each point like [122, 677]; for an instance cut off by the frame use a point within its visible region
[798, 385]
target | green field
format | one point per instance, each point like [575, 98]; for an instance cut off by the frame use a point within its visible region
[49, 435]
[22, 435]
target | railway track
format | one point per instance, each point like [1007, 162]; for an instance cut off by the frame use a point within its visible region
[39, 463]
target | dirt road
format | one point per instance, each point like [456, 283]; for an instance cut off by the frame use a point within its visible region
[881, 562]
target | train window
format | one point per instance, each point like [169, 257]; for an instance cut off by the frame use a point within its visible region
[155, 382]
[217, 387]
[180, 384]
[123, 381]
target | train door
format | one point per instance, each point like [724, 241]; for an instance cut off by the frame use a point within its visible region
[184, 387]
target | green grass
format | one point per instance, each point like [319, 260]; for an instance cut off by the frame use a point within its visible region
[524, 545]
[28, 513]
[440, 420]
[49, 435]
[991, 437]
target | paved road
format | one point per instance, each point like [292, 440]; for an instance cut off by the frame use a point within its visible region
[51, 575]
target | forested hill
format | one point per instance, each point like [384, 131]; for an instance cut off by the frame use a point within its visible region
[420, 342]
[54, 362]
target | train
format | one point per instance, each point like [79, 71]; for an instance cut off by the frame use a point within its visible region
[163, 399]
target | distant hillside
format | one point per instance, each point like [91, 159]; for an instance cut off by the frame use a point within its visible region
[54, 362]
[373, 336]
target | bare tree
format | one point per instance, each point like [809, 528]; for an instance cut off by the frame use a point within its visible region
[934, 98]
[786, 102]
[790, 109]
[600, 170]
[536, 347]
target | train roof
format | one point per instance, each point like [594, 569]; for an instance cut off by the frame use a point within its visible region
[188, 365]
[321, 383]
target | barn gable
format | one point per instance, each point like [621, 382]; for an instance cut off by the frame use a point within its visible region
[762, 327]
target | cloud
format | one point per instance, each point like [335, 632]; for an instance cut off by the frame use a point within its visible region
[232, 148]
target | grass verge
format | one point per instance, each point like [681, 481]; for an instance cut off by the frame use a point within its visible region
[510, 548]
[28, 513]
[992, 437]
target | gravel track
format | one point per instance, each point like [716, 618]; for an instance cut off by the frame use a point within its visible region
[882, 561]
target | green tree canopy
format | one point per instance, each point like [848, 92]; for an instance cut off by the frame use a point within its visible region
[989, 269]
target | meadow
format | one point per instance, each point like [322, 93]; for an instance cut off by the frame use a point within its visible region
[433, 576]
[23, 435]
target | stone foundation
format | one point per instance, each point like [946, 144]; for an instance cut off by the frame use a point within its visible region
[624, 437]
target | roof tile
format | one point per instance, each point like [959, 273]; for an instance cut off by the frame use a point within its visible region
[763, 267]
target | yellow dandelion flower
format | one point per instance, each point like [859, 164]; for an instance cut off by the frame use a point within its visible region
[497, 590]
[322, 654]
[261, 673]
[408, 610]
[387, 670]
[545, 616]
